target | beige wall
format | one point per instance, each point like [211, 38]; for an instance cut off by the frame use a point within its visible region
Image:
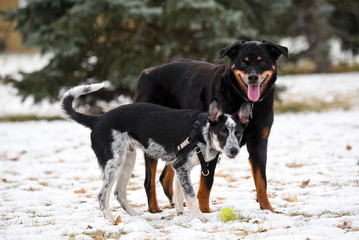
[13, 40]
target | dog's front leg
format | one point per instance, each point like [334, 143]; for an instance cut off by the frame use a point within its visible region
[257, 150]
[205, 186]
[183, 174]
[178, 197]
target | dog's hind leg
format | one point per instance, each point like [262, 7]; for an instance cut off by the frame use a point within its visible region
[150, 184]
[122, 181]
[110, 171]
[166, 180]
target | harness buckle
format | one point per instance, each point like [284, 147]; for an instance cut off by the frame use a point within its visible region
[197, 149]
[205, 174]
[196, 124]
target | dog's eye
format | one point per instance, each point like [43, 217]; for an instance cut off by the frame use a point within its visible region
[238, 134]
[262, 63]
[243, 64]
[224, 133]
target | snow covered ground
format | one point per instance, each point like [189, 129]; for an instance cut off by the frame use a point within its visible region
[49, 178]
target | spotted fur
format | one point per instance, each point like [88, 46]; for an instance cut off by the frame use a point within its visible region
[157, 131]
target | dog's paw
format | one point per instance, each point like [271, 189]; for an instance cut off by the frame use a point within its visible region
[277, 212]
[202, 218]
[133, 212]
[179, 213]
[154, 210]
[108, 216]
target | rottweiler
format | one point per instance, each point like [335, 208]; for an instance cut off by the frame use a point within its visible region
[187, 84]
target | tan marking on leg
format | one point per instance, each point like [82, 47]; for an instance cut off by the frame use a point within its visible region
[261, 189]
[203, 196]
[167, 183]
[265, 132]
[153, 205]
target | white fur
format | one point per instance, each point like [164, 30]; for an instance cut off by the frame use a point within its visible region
[79, 90]
[122, 182]
[120, 145]
[178, 196]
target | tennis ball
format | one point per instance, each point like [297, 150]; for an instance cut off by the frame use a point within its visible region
[227, 214]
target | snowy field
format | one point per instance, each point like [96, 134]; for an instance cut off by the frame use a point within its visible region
[49, 177]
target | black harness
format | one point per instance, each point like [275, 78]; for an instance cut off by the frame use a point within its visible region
[189, 140]
[191, 137]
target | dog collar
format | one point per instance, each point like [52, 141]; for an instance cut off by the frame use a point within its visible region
[251, 111]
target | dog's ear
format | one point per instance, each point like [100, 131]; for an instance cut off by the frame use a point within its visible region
[230, 50]
[244, 113]
[275, 49]
[214, 111]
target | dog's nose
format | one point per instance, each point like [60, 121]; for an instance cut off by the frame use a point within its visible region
[233, 151]
[253, 77]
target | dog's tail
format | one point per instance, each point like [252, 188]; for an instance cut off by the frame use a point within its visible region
[70, 113]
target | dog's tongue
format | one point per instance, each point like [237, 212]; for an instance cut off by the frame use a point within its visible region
[253, 92]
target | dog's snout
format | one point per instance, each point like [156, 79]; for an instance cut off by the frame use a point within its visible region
[253, 77]
[233, 151]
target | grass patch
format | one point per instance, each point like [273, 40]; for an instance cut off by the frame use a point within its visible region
[100, 235]
[312, 105]
[336, 214]
[23, 118]
[308, 66]
[298, 214]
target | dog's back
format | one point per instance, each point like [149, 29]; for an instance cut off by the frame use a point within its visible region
[146, 123]
[177, 84]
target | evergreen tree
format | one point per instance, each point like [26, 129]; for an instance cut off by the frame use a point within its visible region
[319, 21]
[115, 40]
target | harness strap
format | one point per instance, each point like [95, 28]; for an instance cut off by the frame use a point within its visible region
[197, 149]
[204, 165]
[190, 138]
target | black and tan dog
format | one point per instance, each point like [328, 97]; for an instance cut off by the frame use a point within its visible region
[192, 136]
[187, 84]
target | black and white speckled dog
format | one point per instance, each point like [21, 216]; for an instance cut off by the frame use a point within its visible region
[158, 131]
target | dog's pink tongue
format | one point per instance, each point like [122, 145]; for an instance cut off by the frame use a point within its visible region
[253, 92]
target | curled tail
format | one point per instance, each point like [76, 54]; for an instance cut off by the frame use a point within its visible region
[66, 104]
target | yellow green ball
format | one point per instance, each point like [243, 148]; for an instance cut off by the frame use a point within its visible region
[227, 214]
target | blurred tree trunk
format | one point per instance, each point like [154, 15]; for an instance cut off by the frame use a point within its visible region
[313, 23]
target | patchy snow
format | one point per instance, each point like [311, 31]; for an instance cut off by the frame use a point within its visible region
[49, 179]
[323, 87]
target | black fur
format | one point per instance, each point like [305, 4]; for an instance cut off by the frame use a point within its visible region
[157, 130]
[193, 84]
